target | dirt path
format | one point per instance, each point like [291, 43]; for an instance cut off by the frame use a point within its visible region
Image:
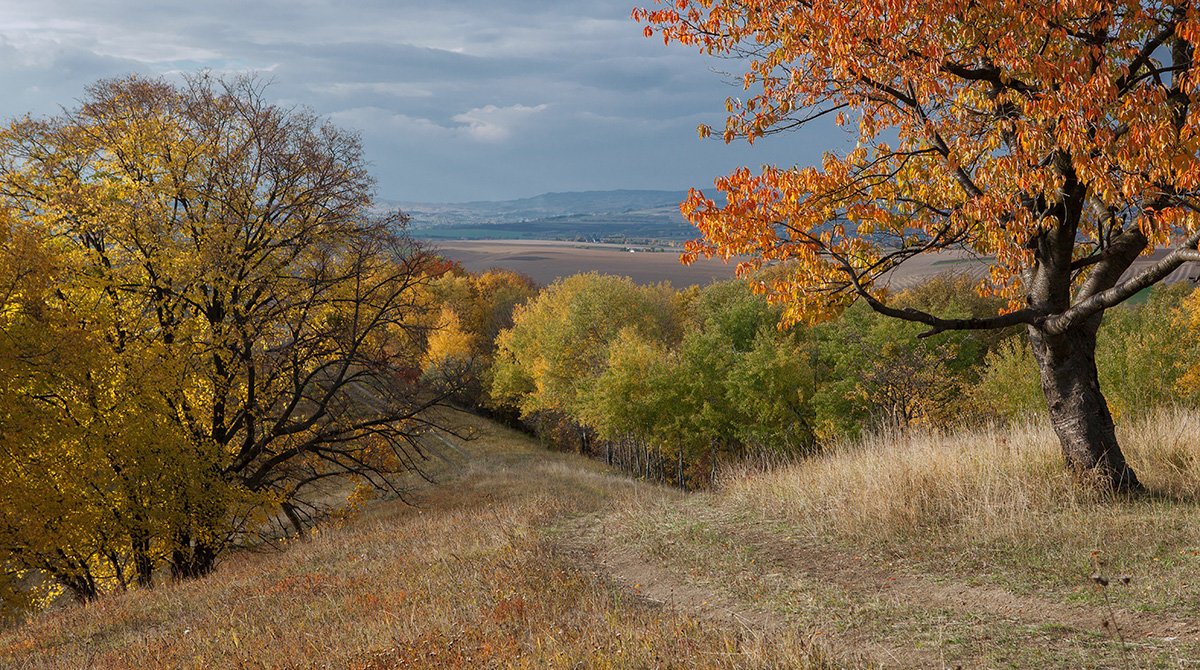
[861, 612]
[648, 578]
[851, 571]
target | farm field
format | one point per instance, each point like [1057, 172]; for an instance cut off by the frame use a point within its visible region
[547, 260]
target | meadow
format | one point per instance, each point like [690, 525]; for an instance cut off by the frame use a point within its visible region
[966, 549]
[487, 569]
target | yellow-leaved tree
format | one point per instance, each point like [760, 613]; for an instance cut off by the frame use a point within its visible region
[475, 309]
[222, 325]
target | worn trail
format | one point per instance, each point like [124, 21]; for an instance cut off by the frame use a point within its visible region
[648, 577]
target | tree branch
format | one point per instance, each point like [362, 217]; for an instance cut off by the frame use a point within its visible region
[1103, 300]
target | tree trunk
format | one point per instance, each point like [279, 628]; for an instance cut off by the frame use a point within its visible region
[143, 562]
[1078, 410]
[293, 515]
[192, 560]
[83, 588]
[679, 464]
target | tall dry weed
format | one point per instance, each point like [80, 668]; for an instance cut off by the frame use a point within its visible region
[1164, 449]
[998, 492]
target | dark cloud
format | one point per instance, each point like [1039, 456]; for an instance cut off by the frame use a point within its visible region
[475, 99]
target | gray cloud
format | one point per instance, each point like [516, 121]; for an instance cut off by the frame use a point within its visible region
[475, 99]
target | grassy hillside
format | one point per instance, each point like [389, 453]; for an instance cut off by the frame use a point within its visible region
[970, 549]
[974, 548]
[484, 572]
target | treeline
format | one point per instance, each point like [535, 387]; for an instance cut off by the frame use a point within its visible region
[665, 384]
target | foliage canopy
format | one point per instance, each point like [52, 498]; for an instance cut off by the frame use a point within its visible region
[1061, 140]
[206, 326]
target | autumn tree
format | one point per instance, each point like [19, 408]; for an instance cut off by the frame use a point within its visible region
[77, 432]
[475, 308]
[221, 253]
[547, 362]
[1058, 140]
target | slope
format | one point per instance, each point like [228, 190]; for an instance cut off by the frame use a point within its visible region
[475, 575]
[965, 550]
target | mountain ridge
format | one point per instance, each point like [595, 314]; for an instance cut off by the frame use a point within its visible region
[542, 206]
[600, 214]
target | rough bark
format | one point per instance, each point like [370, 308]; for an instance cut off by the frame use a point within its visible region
[193, 560]
[143, 561]
[1078, 410]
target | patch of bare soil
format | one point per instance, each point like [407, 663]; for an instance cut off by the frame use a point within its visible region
[645, 577]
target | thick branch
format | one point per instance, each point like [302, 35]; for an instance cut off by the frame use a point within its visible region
[940, 325]
[1103, 300]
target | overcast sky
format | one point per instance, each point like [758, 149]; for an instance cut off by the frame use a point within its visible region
[461, 100]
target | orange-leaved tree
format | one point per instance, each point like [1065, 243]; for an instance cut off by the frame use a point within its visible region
[1057, 139]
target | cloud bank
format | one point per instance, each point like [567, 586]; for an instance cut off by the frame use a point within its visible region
[476, 99]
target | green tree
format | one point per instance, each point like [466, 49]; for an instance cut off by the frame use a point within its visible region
[875, 370]
[559, 342]
[1144, 350]
[1005, 387]
[733, 384]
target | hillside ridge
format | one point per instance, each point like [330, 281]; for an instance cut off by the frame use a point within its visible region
[624, 213]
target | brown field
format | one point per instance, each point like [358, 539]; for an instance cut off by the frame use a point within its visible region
[546, 261]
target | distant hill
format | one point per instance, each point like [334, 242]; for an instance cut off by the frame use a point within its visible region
[606, 215]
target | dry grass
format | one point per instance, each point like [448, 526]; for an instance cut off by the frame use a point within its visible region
[973, 548]
[473, 577]
[489, 572]
[1001, 499]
